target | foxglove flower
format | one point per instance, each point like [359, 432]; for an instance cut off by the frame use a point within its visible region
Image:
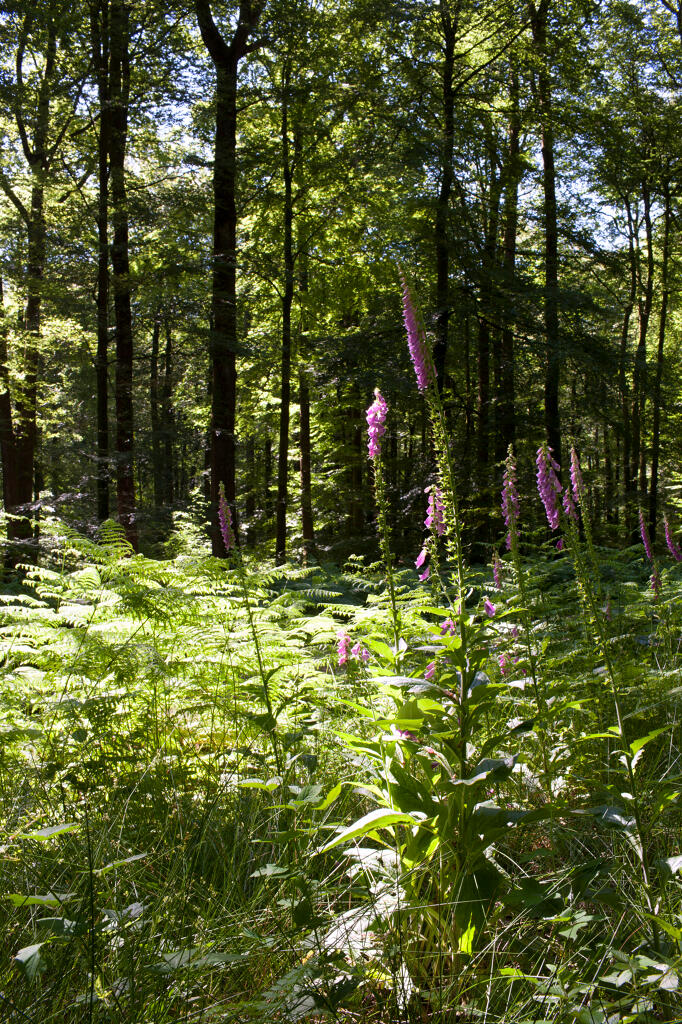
[497, 571]
[646, 540]
[489, 608]
[510, 497]
[447, 628]
[569, 507]
[225, 519]
[656, 583]
[425, 575]
[360, 652]
[577, 485]
[549, 487]
[673, 548]
[421, 558]
[430, 671]
[435, 512]
[343, 646]
[416, 341]
[376, 424]
[560, 544]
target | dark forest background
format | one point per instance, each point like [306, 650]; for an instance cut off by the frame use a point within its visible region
[203, 212]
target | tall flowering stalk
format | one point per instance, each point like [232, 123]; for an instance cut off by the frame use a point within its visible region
[425, 372]
[376, 428]
[673, 547]
[549, 486]
[229, 540]
[511, 510]
[649, 552]
[590, 592]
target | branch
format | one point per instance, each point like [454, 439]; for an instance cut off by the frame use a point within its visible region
[213, 41]
[14, 198]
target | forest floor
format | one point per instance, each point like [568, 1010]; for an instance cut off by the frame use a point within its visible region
[206, 818]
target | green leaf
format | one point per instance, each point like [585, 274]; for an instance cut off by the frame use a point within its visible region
[378, 818]
[43, 834]
[638, 744]
[119, 863]
[30, 961]
[51, 899]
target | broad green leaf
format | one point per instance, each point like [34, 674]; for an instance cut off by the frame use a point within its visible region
[43, 834]
[30, 961]
[119, 863]
[638, 744]
[378, 818]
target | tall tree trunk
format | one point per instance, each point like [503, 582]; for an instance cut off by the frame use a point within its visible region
[157, 471]
[622, 372]
[553, 361]
[119, 82]
[287, 301]
[485, 316]
[449, 24]
[639, 383]
[99, 27]
[656, 427]
[307, 523]
[226, 57]
[168, 418]
[506, 425]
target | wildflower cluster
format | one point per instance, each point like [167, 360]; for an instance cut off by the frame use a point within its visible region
[376, 424]
[416, 341]
[673, 547]
[346, 652]
[510, 498]
[549, 487]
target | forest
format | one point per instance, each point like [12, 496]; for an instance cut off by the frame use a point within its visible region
[340, 569]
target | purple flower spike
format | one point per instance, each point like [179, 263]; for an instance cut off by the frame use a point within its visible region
[569, 507]
[497, 571]
[343, 646]
[646, 540]
[421, 358]
[673, 548]
[359, 652]
[549, 487]
[577, 485]
[430, 670]
[656, 584]
[225, 519]
[376, 424]
[510, 497]
[435, 512]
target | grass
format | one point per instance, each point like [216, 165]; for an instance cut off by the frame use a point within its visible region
[158, 868]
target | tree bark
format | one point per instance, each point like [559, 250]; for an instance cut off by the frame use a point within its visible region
[119, 83]
[639, 382]
[99, 26]
[287, 302]
[660, 355]
[226, 57]
[449, 32]
[538, 15]
[506, 425]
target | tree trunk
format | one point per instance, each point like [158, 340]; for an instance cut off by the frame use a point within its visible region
[306, 476]
[287, 301]
[656, 428]
[99, 26]
[157, 471]
[639, 383]
[119, 82]
[506, 425]
[622, 373]
[168, 420]
[485, 317]
[449, 32]
[553, 362]
[225, 57]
